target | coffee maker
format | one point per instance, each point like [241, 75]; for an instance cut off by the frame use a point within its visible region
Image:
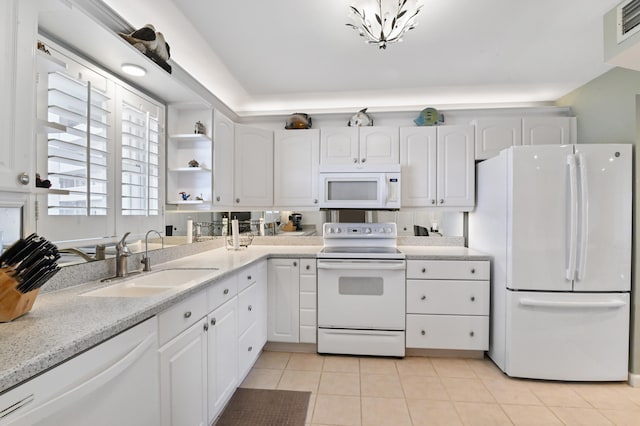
[296, 219]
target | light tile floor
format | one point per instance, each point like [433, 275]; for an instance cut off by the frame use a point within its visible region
[438, 391]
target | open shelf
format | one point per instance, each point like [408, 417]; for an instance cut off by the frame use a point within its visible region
[189, 169]
[181, 202]
[190, 137]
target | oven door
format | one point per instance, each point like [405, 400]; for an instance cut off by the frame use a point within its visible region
[361, 294]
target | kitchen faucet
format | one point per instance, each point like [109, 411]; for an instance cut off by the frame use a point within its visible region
[100, 253]
[122, 254]
[145, 260]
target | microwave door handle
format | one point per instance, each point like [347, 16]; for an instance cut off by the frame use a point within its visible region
[385, 191]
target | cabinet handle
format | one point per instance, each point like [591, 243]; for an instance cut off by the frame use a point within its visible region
[471, 333]
[423, 297]
[250, 348]
[23, 178]
[433, 201]
[355, 160]
[218, 198]
[250, 308]
[295, 263]
[213, 321]
[363, 160]
[473, 270]
[308, 267]
[473, 298]
[237, 200]
[441, 200]
[187, 314]
[424, 270]
[315, 201]
[206, 327]
[423, 332]
[249, 277]
[226, 291]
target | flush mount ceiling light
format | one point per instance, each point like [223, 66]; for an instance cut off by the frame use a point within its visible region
[134, 70]
[384, 22]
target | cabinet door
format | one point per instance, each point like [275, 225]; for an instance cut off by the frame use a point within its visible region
[283, 300]
[262, 315]
[183, 378]
[223, 356]
[547, 130]
[495, 134]
[295, 160]
[339, 145]
[253, 184]
[223, 137]
[379, 145]
[17, 93]
[418, 162]
[456, 171]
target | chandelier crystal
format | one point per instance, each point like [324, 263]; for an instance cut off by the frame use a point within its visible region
[384, 22]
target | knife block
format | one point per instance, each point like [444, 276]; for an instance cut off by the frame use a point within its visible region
[13, 303]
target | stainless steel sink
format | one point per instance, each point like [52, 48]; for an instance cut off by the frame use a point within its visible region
[153, 283]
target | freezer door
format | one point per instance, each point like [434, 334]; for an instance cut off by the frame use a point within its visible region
[538, 217]
[604, 237]
[567, 336]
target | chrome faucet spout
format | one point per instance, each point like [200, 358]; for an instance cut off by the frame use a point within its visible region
[122, 253]
[146, 261]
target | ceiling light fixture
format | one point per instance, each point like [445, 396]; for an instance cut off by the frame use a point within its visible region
[134, 70]
[384, 22]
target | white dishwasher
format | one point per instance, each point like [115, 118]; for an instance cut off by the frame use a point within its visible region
[114, 383]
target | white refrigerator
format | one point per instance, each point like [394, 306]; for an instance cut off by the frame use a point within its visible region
[557, 221]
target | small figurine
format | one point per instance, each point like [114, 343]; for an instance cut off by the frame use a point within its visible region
[199, 197]
[184, 196]
[361, 118]
[298, 120]
[46, 183]
[429, 117]
[199, 128]
[194, 163]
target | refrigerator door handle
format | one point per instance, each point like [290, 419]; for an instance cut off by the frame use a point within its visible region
[573, 218]
[604, 304]
[584, 216]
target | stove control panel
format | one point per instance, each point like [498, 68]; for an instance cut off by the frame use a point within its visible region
[360, 230]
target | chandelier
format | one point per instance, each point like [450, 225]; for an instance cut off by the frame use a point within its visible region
[384, 22]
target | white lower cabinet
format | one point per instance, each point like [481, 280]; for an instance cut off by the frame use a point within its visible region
[183, 377]
[292, 301]
[448, 304]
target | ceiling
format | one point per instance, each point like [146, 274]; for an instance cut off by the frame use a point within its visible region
[281, 56]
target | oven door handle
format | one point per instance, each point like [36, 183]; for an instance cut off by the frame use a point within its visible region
[352, 266]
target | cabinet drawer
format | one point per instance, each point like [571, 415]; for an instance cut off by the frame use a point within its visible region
[247, 308]
[308, 283]
[307, 266]
[449, 297]
[448, 332]
[308, 300]
[448, 269]
[181, 316]
[247, 276]
[248, 350]
[308, 317]
[307, 334]
[221, 291]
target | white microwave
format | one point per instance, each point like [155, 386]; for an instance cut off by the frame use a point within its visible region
[374, 187]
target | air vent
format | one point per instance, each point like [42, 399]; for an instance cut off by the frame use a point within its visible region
[628, 19]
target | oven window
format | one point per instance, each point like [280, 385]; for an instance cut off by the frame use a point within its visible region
[360, 286]
[351, 190]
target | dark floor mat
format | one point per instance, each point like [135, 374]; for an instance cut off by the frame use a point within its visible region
[265, 407]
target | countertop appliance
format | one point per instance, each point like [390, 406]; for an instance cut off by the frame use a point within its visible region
[557, 221]
[361, 290]
[370, 187]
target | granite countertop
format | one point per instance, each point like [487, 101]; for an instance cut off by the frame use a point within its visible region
[62, 323]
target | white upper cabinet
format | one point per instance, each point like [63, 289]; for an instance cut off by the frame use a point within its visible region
[456, 167]
[418, 165]
[223, 138]
[548, 130]
[17, 94]
[253, 183]
[359, 145]
[437, 166]
[296, 160]
[495, 134]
